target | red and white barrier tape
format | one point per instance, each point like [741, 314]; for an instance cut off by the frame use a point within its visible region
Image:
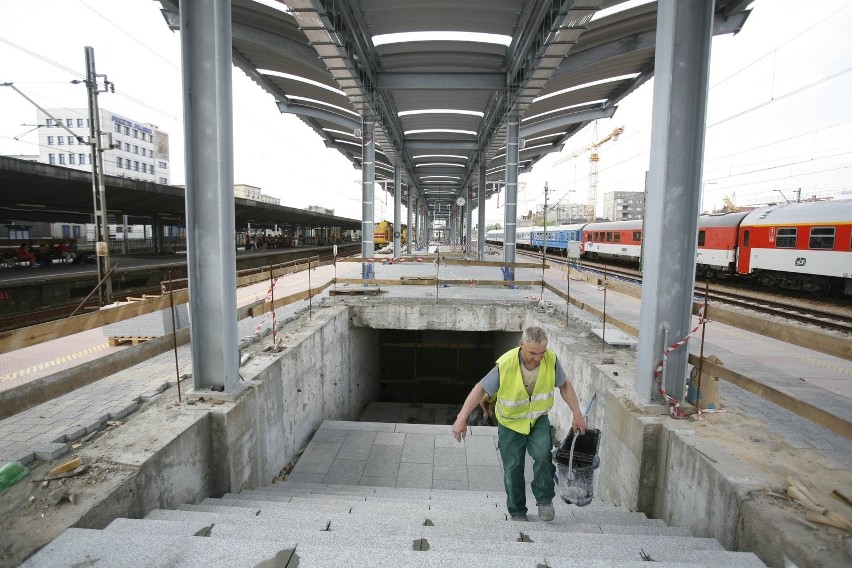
[267, 300]
[675, 411]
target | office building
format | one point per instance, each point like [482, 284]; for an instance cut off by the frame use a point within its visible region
[624, 205]
[131, 148]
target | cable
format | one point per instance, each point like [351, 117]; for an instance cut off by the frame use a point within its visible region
[130, 35]
[43, 58]
[781, 97]
[777, 47]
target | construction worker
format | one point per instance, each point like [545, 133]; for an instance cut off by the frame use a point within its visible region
[523, 382]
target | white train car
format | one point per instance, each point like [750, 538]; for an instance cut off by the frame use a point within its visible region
[799, 246]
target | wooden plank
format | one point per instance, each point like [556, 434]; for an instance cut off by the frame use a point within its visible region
[36, 334]
[359, 291]
[828, 344]
[446, 260]
[264, 276]
[461, 262]
[618, 324]
[262, 307]
[474, 282]
[803, 409]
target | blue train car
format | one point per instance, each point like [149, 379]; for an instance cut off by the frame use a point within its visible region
[558, 238]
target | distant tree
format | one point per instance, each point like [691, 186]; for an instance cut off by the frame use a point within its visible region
[493, 226]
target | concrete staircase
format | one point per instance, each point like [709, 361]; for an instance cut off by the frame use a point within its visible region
[307, 525]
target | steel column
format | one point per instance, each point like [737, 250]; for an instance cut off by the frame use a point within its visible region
[209, 148]
[408, 220]
[511, 206]
[684, 31]
[368, 189]
[397, 210]
[480, 236]
[468, 235]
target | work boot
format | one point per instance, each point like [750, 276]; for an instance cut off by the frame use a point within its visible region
[546, 512]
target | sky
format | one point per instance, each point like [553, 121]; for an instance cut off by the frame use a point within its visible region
[778, 115]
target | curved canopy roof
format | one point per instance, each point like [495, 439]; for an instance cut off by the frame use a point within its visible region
[441, 101]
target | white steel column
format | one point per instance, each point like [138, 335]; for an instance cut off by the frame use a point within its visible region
[684, 31]
[206, 55]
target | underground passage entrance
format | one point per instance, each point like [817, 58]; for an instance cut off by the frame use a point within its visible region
[436, 366]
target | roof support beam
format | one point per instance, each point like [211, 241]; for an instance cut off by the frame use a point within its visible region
[543, 126]
[647, 40]
[319, 114]
[443, 81]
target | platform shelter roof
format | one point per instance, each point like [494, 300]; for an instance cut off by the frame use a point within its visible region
[441, 100]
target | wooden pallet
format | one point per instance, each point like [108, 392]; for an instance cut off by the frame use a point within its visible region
[132, 339]
[355, 291]
[418, 280]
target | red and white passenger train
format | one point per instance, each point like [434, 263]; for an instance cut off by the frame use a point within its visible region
[798, 246]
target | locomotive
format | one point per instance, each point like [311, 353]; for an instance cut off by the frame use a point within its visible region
[383, 233]
[797, 246]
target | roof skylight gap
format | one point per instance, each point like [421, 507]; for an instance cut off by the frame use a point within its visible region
[440, 131]
[448, 164]
[618, 8]
[587, 85]
[408, 37]
[441, 111]
[424, 156]
[567, 108]
[340, 132]
[321, 103]
[275, 5]
[291, 77]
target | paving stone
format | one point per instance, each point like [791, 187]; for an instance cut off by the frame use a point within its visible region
[345, 471]
[383, 461]
[47, 452]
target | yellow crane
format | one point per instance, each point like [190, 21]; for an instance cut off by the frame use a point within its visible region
[594, 158]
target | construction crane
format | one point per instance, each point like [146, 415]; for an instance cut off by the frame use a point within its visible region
[594, 158]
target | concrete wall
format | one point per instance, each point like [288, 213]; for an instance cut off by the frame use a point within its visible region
[659, 466]
[429, 314]
[330, 370]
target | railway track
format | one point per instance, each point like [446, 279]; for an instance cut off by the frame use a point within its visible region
[827, 314]
[53, 313]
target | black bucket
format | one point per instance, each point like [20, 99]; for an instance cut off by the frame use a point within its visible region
[576, 473]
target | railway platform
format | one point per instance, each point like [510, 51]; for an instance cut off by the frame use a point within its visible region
[48, 432]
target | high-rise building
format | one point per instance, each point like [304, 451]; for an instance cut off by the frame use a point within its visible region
[624, 205]
[132, 149]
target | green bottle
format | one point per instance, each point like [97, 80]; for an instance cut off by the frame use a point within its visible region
[11, 473]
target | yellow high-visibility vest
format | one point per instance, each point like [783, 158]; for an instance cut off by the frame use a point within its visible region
[516, 409]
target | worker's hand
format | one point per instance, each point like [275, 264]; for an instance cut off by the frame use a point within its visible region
[459, 429]
[579, 423]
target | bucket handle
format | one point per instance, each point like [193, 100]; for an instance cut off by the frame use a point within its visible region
[574, 440]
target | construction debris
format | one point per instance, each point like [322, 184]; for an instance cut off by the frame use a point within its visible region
[817, 513]
[67, 466]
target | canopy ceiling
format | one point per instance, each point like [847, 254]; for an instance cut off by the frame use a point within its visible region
[561, 65]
